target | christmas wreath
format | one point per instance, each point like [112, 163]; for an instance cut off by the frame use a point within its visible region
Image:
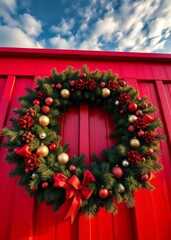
[50, 174]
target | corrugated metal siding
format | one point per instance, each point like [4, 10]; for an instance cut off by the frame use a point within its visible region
[20, 217]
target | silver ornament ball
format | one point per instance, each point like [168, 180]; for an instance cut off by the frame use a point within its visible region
[116, 102]
[42, 135]
[120, 188]
[132, 118]
[125, 163]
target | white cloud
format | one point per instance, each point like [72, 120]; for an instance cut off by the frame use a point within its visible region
[30, 25]
[157, 27]
[7, 6]
[18, 30]
[102, 28]
[15, 37]
[105, 27]
[59, 42]
[64, 27]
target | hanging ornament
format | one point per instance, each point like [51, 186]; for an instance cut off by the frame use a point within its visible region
[139, 113]
[33, 189]
[72, 83]
[45, 185]
[65, 93]
[140, 133]
[36, 102]
[58, 86]
[103, 192]
[117, 172]
[83, 75]
[23, 151]
[102, 84]
[132, 118]
[125, 163]
[49, 101]
[131, 128]
[132, 107]
[44, 120]
[33, 176]
[150, 151]
[105, 92]
[135, 143]
[63, 158]
[122, 83]
[110, 193]
[52, 146]
[42, 151]
[120, 188]
[117, 103]
[42, 135]
[72, 168]
[121, 111]
[45, 109]
[145, 177]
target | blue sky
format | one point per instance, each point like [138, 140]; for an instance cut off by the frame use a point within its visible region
[110, 25]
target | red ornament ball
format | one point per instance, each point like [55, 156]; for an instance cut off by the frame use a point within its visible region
[138, 113]
[45, 185]
[145, 177]
[110, 193]
[72, 168]
[150, 151]
[58, 86]
[103, 193]
[131, 128]
[33, 189]
[140, 133]
[49, 101]
[36, 102]
[45, 109]
[52, 146]
[72, 83]
[117, 172]
[102, 84]
[53, 85]
[144, 105]
[26, 170]
[121, 111]
[132, 107]
[83, 75]
[122, 83]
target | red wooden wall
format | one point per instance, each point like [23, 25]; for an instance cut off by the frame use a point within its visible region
[86, 130]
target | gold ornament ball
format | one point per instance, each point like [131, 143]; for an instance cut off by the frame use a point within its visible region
[42, 151]
[135, 143]
[105, 92]
[44, 120]
[63, 158]
[132, 118]
[65, 93]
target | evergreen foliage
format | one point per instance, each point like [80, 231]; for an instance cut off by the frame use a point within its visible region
[133, 161]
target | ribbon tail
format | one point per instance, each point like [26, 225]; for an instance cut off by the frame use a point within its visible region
[70, 208]
[74, 207]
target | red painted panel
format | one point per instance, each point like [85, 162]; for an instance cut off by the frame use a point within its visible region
[87, 130]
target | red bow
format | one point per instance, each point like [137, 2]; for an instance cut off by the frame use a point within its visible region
[74, 192]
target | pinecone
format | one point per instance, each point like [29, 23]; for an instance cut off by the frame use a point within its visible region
[31, 112]
[28, 137]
